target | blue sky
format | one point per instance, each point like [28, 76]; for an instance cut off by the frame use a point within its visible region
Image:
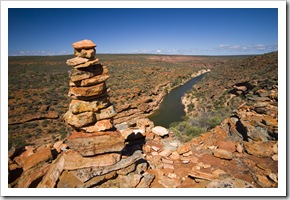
[192, 31]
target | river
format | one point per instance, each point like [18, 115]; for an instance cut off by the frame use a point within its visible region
[171, 109]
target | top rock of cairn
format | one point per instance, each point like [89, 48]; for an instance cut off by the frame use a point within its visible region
[84, 44]
[84, 49]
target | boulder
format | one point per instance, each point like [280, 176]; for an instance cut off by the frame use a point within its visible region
[84, 44]
[87, 91]
[96, 143]
[159, 130]
[90, 81]
[79, 120]
[79, 106]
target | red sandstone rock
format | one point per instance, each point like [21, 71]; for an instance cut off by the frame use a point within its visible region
[53, 173]
[93, 70]
[259, 149]
[79, 106]
[221, 153]
[87, 91]
[129, 181]
[101, 125]
[57, 146]
[90, 81]
[39, 156]
[79, 120]
[146, 180]
[84, 44]
[184, 149]
[174, 156]
[74, 160]
[68, 180]
[85, 53]
[165, 153]
[87, 63]
[202, 175]
[31, 175]
[76, 61]
[96, 143]
[227, 145]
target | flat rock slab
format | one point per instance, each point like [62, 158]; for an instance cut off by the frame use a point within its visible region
[39, 156]
[79, 106]
[87, 64]
[76, 61]
[90, 81]
[202, 175]
[74, 160]
[87, 91]
[101, 125]
[96, 143]
[86, 174]
[88, 72]
[259, 149]
[229, 183]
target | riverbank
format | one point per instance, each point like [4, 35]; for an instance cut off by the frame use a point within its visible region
[149, 105]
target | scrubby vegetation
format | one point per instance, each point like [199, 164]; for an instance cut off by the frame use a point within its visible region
[39, 85]
[218, 93]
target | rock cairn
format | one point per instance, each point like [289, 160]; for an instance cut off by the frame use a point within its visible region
[90, 110]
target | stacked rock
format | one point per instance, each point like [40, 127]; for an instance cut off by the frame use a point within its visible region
[90, 111]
